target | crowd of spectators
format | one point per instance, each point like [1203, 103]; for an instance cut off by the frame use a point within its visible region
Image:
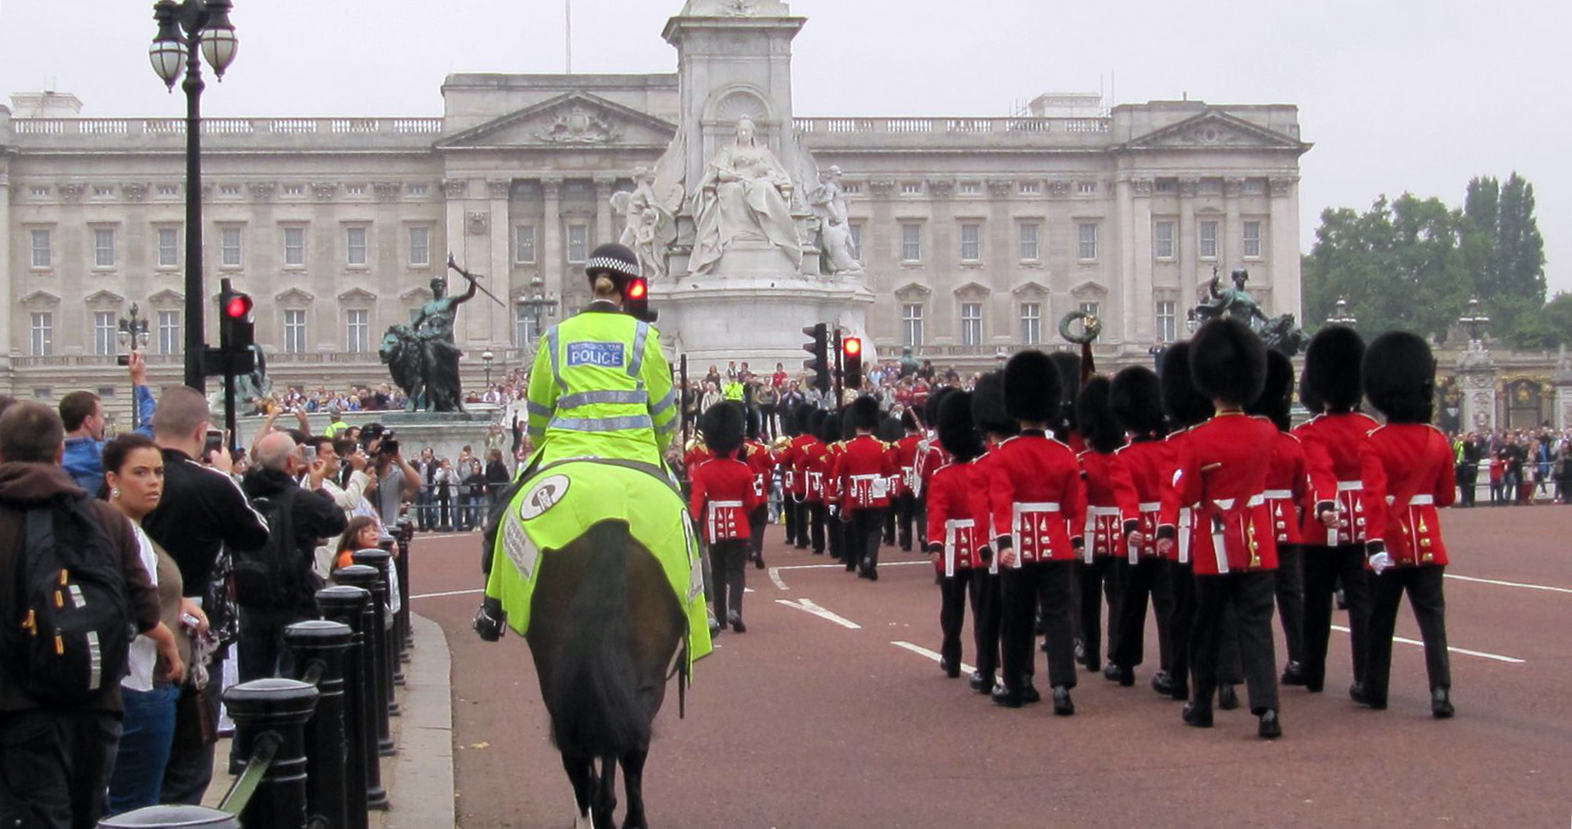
[1514, 467]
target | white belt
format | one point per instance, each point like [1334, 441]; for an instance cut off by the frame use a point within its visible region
[1228, 503]
[1021, 507]
[722, 504]
[1151, 506]
[950, 528]
[1416, 501]
[1102, 512]
[1350, 486]
[1278, 494]
[865, 477]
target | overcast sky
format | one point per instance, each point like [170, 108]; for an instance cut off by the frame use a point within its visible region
[1396, 95]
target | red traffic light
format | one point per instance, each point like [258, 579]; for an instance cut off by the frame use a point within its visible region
[638, 289]
[852, 345]
[239, 307]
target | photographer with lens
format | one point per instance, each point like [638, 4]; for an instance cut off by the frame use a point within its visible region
[396, 481]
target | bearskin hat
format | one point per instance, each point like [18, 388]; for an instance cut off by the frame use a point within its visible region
[1092, 410]
[1069, 364]
[957, 433]
[1278, 393]
[816, 416]
[723, 425]
[1182, 404]
[1228, 361]
[1400, 377]
[1032, 387]
[930, 409]
[830, 427]
[1135, 398]
[1307, 396]
[988, 412]
[1332, 364]
[802, 418]
[908, 420]
[890, 429]
[863, 413]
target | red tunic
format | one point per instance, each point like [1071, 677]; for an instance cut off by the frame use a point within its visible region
[1288, 489]
[814, 471]
[930, 456]
[762, 462]
[1331, 444]
[1036, 496]
[862, 470]
[795, 475]
[1222, 470]
[906, 462]
[722, 498]
[1150, 464]
[957, 516]
[1110, 502]
[1409, 475]
[1176, 514]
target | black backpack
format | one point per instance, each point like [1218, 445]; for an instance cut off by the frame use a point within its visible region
[73, 629]
[276, 576]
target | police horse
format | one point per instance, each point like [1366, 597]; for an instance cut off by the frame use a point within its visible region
[605, 614]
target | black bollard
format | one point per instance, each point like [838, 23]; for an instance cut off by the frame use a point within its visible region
[389, 659]
[171, 817]
[274, 711]
[385, 544]
[375, 654]
[320, 648]
[362, 781]
[404, 532]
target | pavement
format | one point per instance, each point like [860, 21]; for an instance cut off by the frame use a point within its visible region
[831, 712]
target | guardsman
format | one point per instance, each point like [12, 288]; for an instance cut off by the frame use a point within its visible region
[782, 448]
[990, 419]
[1409, 475]
[796, 478]
[1134, 399]
[813, 475]
[1222, 471]
[1038, 504]
[722, 499]
[957, 525]
[821, 468]
[930, 455]
[1113, 522]
[1288, 497]
[762, 462]
[1334, 532]
[862, 471]
[890, 433]
[906, 466]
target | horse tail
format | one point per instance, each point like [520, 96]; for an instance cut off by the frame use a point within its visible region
[593, 694]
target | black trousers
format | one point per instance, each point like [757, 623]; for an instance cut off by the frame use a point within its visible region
[1467, 480]
[789, 518]
[1181, 622]
[190, 766]
[889, 526]
[905, 513]
[818, 516]
[757, 521]
[1323, 567]
[1099, 581]
[1423, 586]
[728, 559]
[1020, 589]
[987, 616]
[1146, 579]
[1291, 599]
[952, 612]
[835, 533]
[55, 766]
[261, 649]
[862, 538]
[1251, 595]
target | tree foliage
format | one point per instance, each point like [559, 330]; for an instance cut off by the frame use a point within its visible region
[1413, 263]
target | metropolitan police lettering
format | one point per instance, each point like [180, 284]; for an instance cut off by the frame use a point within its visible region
[604, 355]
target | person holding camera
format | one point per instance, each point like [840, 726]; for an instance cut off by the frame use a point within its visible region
[396, 481]
[83, 414]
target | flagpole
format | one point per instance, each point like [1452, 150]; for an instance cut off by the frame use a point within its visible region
[567, 10]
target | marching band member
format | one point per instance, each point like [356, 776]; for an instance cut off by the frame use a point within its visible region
[930, 456]
[797, 479]
[1287, 496]
[813, 472]
[1133, 397]
[722, 497]
[1409, 475]
[996, 427]
[863, 470]
[790, 505]
[1039, 514]
[762, 462]
[905, 465]
[1334, 534]
[1112, 513]
[1222, 472]
[823, 466]
[957, 525]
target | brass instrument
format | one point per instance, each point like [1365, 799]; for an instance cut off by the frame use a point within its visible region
[696, 441]
[1091, 328]
[780, 444]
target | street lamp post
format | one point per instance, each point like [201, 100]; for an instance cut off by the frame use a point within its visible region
[133, 335]
[485, 358]
[539, 302]
[1340, 314]
[1475, 321]
[207, 34]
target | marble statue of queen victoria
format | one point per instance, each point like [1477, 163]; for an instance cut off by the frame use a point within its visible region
[745, 195]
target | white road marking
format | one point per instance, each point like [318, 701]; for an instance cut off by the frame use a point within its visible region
[449, 593]
[935, 656]
[775, 576]
[775, 572]
[1510, 660]
[1544, 587]
[809, 607]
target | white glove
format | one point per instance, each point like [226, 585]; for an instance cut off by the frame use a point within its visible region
[1381, 561]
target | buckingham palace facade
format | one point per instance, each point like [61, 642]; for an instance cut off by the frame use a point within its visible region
[976, 234]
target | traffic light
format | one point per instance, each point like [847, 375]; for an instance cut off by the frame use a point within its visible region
[236, 327]
[636, 300]
[851, 362]
[818, 346]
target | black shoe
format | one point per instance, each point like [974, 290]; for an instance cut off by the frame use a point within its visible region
[906, 548]
[1342, 600]
[1293, 674]
[873, 574]
[1162, 683]
[1227, 697]
[1441, 704]
[982, 684]
[951, 668]
[1111, 672]
[803, 547]
[1080, 648]
[737, 625]
[1126, 677]
[1270, 728]
[1197, 716]
[1003, 698]
[1029, 694]
[1181, 691]
[850, 566]
[1314, 686]
[758, 563]
[1063, 706]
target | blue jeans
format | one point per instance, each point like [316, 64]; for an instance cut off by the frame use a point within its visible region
[148, 732]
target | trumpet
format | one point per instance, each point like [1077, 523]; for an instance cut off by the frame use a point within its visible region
[780, 444]
[694, 442]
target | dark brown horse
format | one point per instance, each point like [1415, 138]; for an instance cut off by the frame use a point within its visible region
[604, 627]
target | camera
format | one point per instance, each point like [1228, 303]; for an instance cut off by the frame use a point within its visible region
[123, 360]
[372, 433]
[214, 442]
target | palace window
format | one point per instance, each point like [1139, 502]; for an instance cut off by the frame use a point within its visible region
[1163, 241]
[971, 323]
[1252, 240]
[419, 246]
[911, 188]
[103, 247]
[295, 331]
[43, 334]
[104, 330]
[1086, 241]
[168, 190]
[911, 242]
[355, 245]
[1254, 186]
[1167, 322]
[578, 243]
[168, 247]
[1031, 323]
[1210, 187]
[524, 244]
[1091, 309]
[41, 248]
[969, 188]
[357, 324]
[1031, 249]
[170, 340]
[294, 246]
[1166, 185]
[1086, 188]
[229, 247]
[354, 189]
[1208, 240]
[856, 239]
[911, 324]
[1029, 188]
[525, 329]
[971, 242]
[229, 190]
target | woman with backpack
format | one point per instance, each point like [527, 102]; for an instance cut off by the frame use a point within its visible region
[134, 481]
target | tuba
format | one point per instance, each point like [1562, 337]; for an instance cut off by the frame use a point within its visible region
[1090, 328]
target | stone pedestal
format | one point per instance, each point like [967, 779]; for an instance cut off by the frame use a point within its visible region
[1476, 373]
[754, 316]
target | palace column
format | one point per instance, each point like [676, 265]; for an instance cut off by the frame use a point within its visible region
[551, 256]
[1231, 246]
[1284, 250]
[1143, 310]
[12, 277]
[1187, 243]
[604, 231]
[493, 325]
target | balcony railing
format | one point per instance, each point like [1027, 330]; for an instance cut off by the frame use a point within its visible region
[227, 126]
[950, 126]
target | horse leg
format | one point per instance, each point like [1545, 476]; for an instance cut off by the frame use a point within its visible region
[633, 771]
[581, 773]
[606, 794]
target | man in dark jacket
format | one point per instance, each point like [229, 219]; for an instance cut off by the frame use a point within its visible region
[278, 463]
[55, 760]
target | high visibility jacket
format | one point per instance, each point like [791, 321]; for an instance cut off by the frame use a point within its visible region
[601, 387]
